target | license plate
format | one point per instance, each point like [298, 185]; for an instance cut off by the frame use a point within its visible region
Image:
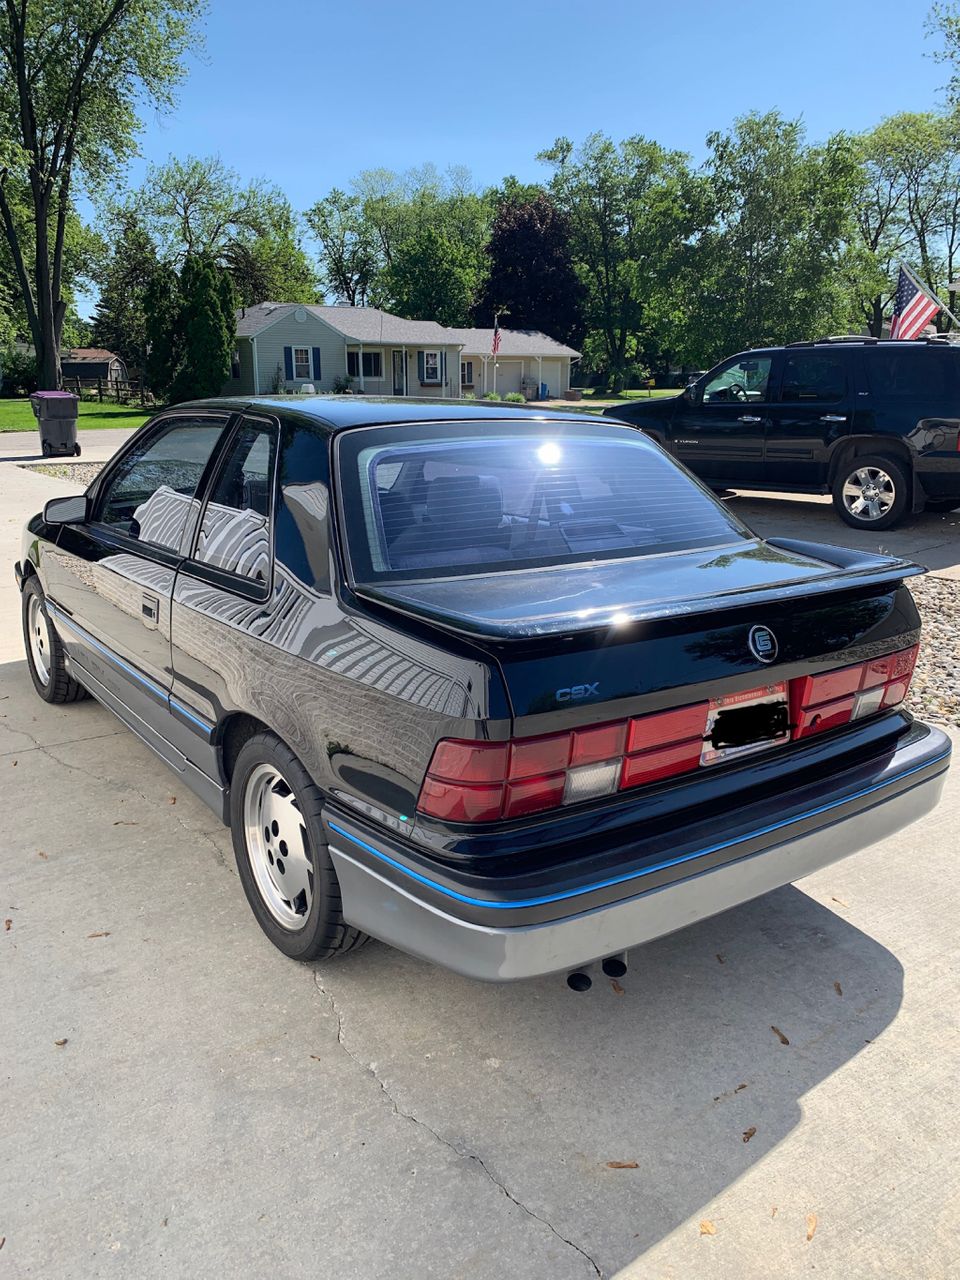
[741, 724]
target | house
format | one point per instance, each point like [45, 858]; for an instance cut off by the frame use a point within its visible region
[88, 363]
[285, 345]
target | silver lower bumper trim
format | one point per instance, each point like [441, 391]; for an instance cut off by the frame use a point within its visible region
[390, 913]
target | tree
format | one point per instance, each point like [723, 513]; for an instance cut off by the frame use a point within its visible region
[207, 308]
[271, 266]
[770, 265]
[164, 337]
[631, 208]
[199, 206]
[347, 255]
[75, 73]
[120, 320]
[430, 278]
[531, 276]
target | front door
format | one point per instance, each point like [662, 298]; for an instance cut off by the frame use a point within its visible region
[110, 581]
[398, 372]
[814, 409]
[718, 432]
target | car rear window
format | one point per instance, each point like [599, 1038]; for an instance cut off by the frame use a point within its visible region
[487, 497]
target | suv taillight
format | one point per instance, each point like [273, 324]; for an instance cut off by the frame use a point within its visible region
[473, 781]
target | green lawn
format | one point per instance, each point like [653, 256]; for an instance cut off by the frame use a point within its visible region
[17, 415]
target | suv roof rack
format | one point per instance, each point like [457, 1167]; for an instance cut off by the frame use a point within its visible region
[841, 337]
[937, 339]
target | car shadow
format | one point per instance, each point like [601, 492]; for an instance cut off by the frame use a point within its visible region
[694, 1065]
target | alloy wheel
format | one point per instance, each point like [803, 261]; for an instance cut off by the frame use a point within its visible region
[869, 493]
[277, 846]
[38, 630]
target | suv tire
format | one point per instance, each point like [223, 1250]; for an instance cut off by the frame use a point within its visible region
[45, 659]
[282, 857]
[871, 492]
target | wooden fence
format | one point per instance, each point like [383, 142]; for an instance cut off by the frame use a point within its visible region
[115, 390]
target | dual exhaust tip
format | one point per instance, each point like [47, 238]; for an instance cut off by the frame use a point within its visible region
[614, 966]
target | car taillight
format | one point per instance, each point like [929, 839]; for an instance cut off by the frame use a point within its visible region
[482, 781]
[819, 703]
[473, 781]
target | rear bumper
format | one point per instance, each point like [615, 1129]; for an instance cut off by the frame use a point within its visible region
[384, 899]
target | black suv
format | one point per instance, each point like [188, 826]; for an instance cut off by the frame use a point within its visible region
[876, 424]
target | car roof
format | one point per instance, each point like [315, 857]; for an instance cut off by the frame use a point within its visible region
[861, 344]
[337, 413]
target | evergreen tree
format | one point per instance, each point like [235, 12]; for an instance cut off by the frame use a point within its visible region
[164, 339]
[206, 322]
[120, 321]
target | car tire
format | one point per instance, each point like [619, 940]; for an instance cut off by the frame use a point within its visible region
[282, 857]
[45, 657]
[880, 484]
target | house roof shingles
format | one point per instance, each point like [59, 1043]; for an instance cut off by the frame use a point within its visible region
[371, 325]
[88, 355]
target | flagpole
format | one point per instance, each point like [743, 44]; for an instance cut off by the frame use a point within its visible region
[932, 296]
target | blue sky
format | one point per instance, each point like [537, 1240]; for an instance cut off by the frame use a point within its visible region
[307, 94]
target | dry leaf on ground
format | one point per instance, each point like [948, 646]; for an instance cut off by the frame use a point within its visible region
[60, 1043]
[779, 1034]
[172, 799]
[41, 854]
[773, 1212]
[707, 1228]
[720, 959]
[616, 986]
[8, 925]
[811, 1225]
[104, 934]
[622, 1164]
[120, 823]
[739, 1087]
[748, 1133]
[840, 900]
[838, 989]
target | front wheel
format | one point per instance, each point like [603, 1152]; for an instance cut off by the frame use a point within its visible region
[282, 857]
[871, 492]
[45, 659]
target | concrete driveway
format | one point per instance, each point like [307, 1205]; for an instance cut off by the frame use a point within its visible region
[179, 1100]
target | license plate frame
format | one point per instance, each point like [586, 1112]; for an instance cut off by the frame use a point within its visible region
[768, 714]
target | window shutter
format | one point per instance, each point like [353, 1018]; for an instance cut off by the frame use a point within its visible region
[443, 368]
[288, 363]
[420, 370]
[316, 363]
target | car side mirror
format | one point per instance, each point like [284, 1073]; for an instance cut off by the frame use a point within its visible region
[72, 510]
[691, 393]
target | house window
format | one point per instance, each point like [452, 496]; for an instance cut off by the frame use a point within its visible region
[431, 366]
[301, 363]
[466, 372]
[372, 364]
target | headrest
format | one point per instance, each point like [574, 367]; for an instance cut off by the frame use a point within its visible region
[462, 503]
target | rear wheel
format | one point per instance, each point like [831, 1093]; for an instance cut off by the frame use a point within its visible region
[871, 492]
[45, 658]
[282, 857]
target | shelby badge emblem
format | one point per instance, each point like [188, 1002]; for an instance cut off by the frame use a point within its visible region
[763, 644]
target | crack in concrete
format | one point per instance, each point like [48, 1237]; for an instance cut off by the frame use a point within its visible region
[460, 1151]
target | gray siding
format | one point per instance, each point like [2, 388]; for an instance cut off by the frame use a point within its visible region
[289, 332]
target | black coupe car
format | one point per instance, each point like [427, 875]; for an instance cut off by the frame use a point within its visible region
[508, 690]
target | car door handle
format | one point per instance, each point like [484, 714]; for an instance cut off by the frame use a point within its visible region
[834, 417]
[150, 609]
[748, 417]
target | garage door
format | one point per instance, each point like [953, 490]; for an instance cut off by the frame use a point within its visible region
[508, 376]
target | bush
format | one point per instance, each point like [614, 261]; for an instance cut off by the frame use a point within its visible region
[491, 395]
[342, 385]
[468, 395]
[19, 372]
[514, 397]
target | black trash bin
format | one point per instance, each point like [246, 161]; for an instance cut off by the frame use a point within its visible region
[56, 415]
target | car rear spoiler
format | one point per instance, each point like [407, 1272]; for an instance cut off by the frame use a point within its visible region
[479, 606]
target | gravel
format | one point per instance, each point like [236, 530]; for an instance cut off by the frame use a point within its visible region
[935, 691]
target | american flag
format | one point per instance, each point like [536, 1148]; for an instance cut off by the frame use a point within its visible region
[912, 308]
[495, 346]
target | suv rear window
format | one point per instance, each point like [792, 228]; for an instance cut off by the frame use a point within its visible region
[488, 497]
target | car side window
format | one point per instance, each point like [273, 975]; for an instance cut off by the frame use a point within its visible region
[235, 528]
[814, 378]
[907, 375]
[740, 381]
[303, 506]
[150, 494]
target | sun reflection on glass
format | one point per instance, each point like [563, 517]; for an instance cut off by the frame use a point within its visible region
[549, 454]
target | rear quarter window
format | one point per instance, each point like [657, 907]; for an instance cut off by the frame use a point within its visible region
[493, 497]
[912, 374]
